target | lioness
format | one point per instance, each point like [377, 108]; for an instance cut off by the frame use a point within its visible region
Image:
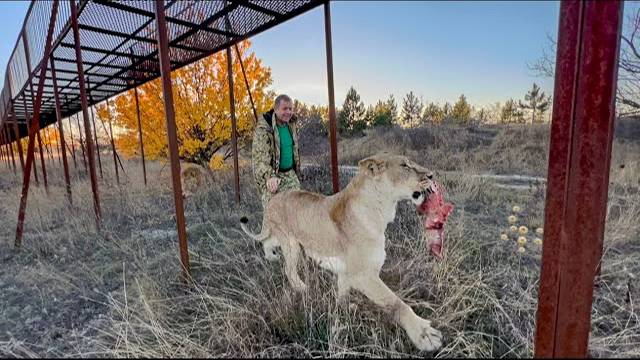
[345, 233]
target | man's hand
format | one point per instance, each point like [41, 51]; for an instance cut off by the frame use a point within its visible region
[272, 184]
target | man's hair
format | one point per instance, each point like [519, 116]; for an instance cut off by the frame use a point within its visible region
[281, 98]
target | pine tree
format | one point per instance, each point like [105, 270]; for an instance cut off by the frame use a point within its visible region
[446, 111]
[411, 110]
[536, 101]
[432, 114]
[393, 109]
[461, 112]
[352, 114]
[510, 113]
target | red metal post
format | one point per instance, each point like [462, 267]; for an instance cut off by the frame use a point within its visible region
[332, 106]
[13, 159]
[84, 157]
[234, 134]
[144, 167]
[95, 138]
[33, 126]
[113, 145]
[73, 148]
[246, 82]
[44, 169]
[165, 71]
[47, 144]
[578, 173]
[27, 118]
[65, 164]
[27, 55]
[83, 100]
[3, 155]
[16, 134]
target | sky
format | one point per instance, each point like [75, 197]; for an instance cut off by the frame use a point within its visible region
[438, 50]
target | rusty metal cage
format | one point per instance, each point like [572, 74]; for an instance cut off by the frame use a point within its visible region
[119, 47]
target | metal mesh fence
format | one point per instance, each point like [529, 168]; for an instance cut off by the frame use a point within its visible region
[118, 44]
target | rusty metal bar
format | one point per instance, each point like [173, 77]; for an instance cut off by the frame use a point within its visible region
[11, 150]
[73, 148]
[47, 144]
[3, 155]
[333, 141]
[83, 99]
[13, 158]
[144, 167]
[113, 145]
[27, 54]
[59, 147]
[65, 163]
[578, 174]
[115, 151]
[44, 168]
[10, 157]
[165, 71]
[234, 134]
[6, 148]
[28, 119]
[84, 157]
[33, 126]
[246, 82]
[95, 134]
[16, 134]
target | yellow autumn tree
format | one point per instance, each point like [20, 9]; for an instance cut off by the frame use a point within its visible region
[201, 101]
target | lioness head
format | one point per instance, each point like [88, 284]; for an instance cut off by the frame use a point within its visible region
[404, 177]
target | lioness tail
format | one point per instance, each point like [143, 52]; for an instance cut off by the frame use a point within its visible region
[264, 235]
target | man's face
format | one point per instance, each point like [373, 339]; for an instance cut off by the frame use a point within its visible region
[284, 111]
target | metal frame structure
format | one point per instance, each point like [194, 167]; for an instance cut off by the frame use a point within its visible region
[146, 40]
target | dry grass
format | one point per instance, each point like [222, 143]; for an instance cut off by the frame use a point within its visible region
[75, 292]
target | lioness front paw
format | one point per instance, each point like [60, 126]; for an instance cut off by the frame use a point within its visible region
[423, 336]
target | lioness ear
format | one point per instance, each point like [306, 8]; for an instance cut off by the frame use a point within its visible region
[372, 166]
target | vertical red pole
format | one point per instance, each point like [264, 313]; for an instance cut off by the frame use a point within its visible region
[332, 106]
[13, 159]
[82, 142]
[144, 167]
[73, 148]
[83, 100]
[578, 173]
[16, 134]
[165, 71]
[49, 144]
[246, 82]
[44, 169]
[65, 163]
[3, 155]
[113, 145]
[95, 138]
[33, 126]
[234, 134]
[28, 120]
[27, 55]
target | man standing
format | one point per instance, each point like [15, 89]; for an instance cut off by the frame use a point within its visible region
[275, 154]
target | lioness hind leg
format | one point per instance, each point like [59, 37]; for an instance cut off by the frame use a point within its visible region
[291, 252]
[343, 287]
[423, 336]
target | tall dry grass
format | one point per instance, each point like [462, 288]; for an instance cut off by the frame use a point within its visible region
[74, 291]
